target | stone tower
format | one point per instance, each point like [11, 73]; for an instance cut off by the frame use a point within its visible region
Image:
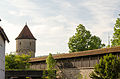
[26, 42]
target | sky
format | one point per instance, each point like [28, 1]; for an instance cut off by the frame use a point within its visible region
[53, 22]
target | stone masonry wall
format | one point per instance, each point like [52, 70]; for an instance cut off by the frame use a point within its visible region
[26, 46]
[74, 73]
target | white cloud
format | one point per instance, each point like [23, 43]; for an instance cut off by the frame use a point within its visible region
[52, 34]
[50, 31]
[23, 4]
[13, 12]
[23, 7]
[62, 3]
[53, 22]
[103, 16]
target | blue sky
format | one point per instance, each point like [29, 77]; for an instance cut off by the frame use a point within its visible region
[53, 22]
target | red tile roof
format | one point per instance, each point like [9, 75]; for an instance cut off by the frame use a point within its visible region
[3, 34]
[25, 34]
[78, 54]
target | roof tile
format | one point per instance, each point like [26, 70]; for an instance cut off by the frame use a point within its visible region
[25, 34]
[81, 53]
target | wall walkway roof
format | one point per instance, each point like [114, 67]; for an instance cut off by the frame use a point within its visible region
[78, 54]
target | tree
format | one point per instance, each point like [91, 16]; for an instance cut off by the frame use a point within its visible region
[44, 74]
[13, 61]
[108, 68]
[50, 62]
[51, 67]
[116, 35]
[83, 40]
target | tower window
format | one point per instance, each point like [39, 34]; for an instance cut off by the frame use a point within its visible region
[30, 43]
[20, 43]
[1, 45]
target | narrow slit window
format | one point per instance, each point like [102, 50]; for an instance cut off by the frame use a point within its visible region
[30, 43]
[20, 43]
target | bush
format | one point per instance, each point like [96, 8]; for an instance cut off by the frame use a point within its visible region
[13, 61]
[108, 68]
[51, 67]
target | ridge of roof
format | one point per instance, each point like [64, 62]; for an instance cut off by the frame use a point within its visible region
[78, 54]
[25, 34]
[3, 34]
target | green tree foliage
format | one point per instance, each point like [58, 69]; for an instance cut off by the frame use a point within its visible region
[13, 61]
[108, 68]
[50, 62]
[51, 67]
[44, 74]
[116, 35]
[83, 40]
[80, 76]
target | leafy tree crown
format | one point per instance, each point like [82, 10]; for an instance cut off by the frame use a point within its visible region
[83, 40]
[116, 35]
[50, 62]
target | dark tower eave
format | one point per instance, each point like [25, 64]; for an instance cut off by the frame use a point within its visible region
[3, 34]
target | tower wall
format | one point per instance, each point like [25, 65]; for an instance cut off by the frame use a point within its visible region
[26, 46]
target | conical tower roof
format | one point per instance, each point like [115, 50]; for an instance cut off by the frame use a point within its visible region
[25, 34]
